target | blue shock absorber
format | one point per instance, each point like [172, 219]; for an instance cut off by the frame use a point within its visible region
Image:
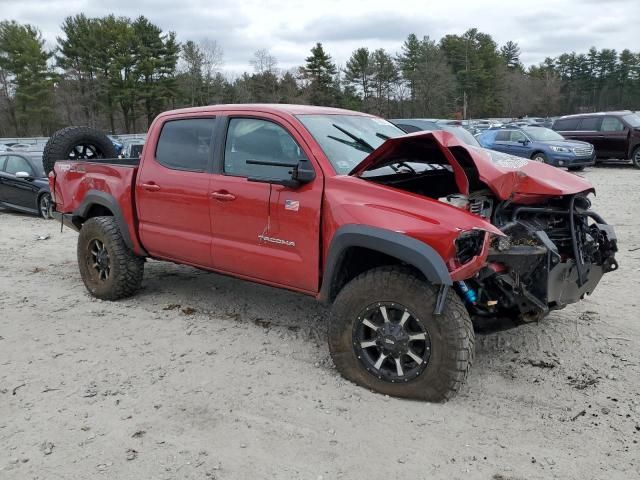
[468, 294]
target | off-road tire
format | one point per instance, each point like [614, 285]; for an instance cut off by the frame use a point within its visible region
[126, 268]
[62, 142]
[635, 157]
[539, 157]
[451, 333]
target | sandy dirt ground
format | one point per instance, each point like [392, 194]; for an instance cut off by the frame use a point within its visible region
[205, 377]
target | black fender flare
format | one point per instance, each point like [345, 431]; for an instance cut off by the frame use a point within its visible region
[404, 248]
[96, 197]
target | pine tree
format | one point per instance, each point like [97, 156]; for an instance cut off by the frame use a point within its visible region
[28, 80]
[408, 61]
[359, 71]
[319, 71]
[510, 52]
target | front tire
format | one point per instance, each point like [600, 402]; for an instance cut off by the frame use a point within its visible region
[109, 269]
[45, 206]
[539, 157]
[383, 335]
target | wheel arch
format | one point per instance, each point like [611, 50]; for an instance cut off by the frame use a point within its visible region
[97, 203]
[40, 194]
[382, 247]
[537, 151]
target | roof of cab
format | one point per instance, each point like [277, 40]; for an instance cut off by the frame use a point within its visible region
[275, 108]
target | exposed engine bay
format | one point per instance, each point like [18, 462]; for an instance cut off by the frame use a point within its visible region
[555, 249]
[553, 254]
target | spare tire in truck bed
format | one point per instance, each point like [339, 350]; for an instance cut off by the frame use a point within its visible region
[76, 143]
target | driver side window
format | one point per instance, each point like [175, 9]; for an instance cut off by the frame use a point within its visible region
[517, 136]
[262, 140]
[17, 164]
[611, 124]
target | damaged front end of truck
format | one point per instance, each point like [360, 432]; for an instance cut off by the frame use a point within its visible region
[554, 253]
[555, 248]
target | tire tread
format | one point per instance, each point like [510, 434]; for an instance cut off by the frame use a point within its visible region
[130, 267]
[457, 334]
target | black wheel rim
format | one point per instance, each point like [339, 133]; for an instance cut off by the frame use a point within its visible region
[98, 261]
[84, 151]
[45, 206]
[391, 342]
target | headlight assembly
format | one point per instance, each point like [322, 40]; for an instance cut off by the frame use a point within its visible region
[468, 245]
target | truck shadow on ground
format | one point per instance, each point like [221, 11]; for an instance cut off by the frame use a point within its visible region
[168, 287]
[218, 295]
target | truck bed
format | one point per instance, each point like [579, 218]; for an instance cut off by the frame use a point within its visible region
[108, 182]
[125, 162]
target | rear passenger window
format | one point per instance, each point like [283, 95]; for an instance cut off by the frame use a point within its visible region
[611, 124]
[566, 124]
[503, 136]
[186, 144]
[590, 124]
[254, 139]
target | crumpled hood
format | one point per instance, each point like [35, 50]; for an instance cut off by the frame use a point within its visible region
[508, 176]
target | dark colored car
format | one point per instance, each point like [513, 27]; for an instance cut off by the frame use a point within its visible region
[614, 135]
[539, 144]
[24, 185]
[411, 125]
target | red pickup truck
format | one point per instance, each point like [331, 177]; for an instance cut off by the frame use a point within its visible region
[410, 237]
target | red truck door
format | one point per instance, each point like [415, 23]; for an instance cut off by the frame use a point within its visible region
[261, 231]
[172, 191]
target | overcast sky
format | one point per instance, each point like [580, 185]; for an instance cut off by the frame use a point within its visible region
[290, 28]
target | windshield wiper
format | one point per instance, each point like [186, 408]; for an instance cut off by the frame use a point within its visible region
[355, 138]
[382, 136]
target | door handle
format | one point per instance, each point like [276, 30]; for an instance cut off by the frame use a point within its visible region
[223, 196]
[152, 187]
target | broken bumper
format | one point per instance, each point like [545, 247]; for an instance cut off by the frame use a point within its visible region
[537, 278]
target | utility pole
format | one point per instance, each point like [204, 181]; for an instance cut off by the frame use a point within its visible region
[464, 105]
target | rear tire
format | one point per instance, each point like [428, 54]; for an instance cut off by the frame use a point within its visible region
[109, 269]
[446, 354]
[635, 157]
[76, 143]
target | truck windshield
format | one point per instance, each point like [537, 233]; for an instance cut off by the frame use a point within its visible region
[347, 139]
[633, 120]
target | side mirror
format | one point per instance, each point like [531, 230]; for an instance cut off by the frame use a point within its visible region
[24, 175]
[301, 172]
[524, 141]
